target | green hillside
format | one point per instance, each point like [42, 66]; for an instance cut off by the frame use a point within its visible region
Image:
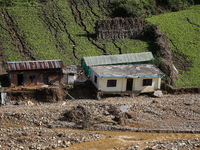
[183, 32]
[65, 29]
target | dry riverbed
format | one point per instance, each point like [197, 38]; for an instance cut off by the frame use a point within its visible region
[36, 125]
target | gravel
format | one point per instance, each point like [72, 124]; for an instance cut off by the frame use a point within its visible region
[33, 121]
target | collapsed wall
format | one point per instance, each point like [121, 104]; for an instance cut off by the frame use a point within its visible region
[122, 28]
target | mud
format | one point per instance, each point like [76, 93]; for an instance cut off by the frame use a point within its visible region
[50, 94]
[125, 140]
[176, 91]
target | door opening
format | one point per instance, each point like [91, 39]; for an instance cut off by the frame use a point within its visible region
[20, 79]
[129, 85]
[45, 78]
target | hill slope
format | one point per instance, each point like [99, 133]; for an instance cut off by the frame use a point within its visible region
[65, 30]
[183, 32]
[62, 30]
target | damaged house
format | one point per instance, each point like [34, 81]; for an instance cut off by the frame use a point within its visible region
[126, 73]
[35, 72]
[72, 74]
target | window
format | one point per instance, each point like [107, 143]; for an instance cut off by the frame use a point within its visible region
[147, 82]
[111, 83]
[95, 79]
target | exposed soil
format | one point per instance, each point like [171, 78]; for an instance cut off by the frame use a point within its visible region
[181, 62]
[166, 53]
[177, 91]
[47, 94]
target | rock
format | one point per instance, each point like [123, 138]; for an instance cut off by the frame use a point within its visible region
[59, 141]
[54, 146]
[30, 103]
[21, 147]
[131, 115]
[158, 93]
[124, 108]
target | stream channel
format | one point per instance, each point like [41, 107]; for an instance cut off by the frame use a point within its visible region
[126, 139]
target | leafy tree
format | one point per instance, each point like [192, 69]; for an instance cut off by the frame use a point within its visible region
[146, 8]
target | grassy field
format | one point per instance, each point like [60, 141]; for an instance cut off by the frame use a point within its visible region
[183, 32]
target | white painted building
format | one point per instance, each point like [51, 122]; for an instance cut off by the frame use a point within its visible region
[126, 78]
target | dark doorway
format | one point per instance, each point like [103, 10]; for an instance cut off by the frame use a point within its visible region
[20, 79]
[129, 85]
[45, 78]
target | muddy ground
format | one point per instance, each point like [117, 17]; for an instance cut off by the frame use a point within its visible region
[32, 124]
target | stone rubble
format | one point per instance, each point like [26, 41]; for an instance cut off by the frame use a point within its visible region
[35, 121]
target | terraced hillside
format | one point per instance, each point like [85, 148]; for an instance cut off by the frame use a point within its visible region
[183, 32]
[65, 29]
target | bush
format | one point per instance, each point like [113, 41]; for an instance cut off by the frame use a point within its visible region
[146, 8]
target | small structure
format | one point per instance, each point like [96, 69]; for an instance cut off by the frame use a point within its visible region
[122, 59]
[35, 72]
[122, 79]
[73, 73]
[122, 28]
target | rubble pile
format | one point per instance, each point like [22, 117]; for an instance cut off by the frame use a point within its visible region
[171, 113]
[78, 113]
[172, 145]
[38, 138]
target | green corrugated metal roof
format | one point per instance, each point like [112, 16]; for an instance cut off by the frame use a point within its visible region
[118, 59]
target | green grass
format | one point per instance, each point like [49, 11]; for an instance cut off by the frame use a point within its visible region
[185, 37]
[49, 32]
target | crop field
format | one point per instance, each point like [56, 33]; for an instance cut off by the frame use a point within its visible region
[59, 30]
[183, 32]
[65, 30]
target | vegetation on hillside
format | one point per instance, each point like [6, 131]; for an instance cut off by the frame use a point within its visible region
[59, 30]
[147, 8]
[183, 32]
[65, 29]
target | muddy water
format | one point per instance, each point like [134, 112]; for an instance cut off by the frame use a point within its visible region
[126, 139]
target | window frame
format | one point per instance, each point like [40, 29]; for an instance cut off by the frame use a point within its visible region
[147, 82]
[111, 83]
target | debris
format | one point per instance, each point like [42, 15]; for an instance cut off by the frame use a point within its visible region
[158, 93]
[30, 103]
[3, 98]
[113, 110]
[189, 103]
[45, 86]
[124, 108]
[76, 114]
[107, 113]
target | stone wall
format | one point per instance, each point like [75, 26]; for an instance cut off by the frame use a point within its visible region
[122, 28]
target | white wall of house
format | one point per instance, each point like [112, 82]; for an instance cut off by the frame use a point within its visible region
[92, 79]
[138, 84]
[121, 84]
